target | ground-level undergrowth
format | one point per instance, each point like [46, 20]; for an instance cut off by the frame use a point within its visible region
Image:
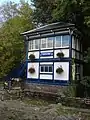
[36, 109]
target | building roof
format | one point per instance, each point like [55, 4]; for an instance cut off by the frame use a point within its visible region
[53, 26]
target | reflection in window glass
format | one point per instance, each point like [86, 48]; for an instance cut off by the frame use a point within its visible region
[46, 69]
[43, 43]
[50, 68]
[49, 42]
[31, 44]
[58, 41]
[42, 69]
[36, 44]
[65, 40]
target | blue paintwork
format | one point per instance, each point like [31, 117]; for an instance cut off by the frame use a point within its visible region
[27, 42]
[48, 49]
[49, 82]
[44, 54]
[70, 56]
[17, 72]
[51, 60]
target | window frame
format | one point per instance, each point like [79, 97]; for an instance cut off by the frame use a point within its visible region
[61, 45]
[32, 44]
[48, 68]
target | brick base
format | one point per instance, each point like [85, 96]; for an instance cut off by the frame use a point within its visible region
[44, 88]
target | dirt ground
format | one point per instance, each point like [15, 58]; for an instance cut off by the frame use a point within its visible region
[28, 109]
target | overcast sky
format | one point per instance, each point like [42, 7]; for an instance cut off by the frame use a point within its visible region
[5, 1]
[16, 1]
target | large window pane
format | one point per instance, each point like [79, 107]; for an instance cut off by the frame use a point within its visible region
[42, 69]
[43, 43]
[50, 68]
[50, 42]
[65, 40]
[58, 41]
[46, 69]
[31, 44]
[36, 44]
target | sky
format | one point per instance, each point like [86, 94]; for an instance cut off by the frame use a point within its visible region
[5, 1]
[16, 1]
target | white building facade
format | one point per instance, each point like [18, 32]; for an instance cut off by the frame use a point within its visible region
[54, 54]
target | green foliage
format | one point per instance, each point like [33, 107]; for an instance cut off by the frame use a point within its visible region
[60, 54]
[59, 70]
[69, 91]
[43, 10]
[32, 57]
[74, 11]
[12, 50]
[31, 70]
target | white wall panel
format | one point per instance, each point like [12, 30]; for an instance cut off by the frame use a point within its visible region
[35, 53]
[65, 51]
[44, 76]
[36, 67]
[46, 63]
[65, 74]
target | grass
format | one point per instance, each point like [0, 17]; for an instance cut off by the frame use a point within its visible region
[68, 111]
[37, 102]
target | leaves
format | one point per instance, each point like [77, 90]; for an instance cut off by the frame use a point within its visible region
[12, 50]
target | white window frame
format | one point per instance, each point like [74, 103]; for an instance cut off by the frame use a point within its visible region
[44, 68]
[48, 42]
[61, 42]
[42, 44]
[32, 44]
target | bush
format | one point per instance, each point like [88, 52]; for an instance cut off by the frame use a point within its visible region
[32, 57]
[59, 70]
[31, 70]
[60, 54]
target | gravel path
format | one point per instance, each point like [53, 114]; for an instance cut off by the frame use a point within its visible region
[19, 110]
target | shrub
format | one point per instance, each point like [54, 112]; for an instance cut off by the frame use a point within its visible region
[31, 70]
[60, 54]
[59, 70]
[32, 57]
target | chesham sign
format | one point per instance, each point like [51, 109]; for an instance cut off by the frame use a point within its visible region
[46, 54]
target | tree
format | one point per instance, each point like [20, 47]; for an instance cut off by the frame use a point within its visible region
[72, 11]
[11, 43]
[43, 10]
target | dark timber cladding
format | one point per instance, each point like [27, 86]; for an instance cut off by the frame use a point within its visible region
[57, 54]
[50, 29]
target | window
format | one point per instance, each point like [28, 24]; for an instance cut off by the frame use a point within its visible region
[62, 41]
[49, 42]
[46, 69]
[31, 45]
[78, 70]
[58, 41]
[34, 44]
[65, 40]
[43, 43]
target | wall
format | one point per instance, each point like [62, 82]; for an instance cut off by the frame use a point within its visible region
[36, 67]
[65, 74]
